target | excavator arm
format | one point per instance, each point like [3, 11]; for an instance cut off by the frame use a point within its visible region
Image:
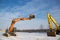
[50, 20]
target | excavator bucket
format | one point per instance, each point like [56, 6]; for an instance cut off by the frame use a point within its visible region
[32, 16]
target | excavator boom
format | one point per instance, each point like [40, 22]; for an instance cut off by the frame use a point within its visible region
[50, 20]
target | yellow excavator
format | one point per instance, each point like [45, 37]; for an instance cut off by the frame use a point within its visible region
[11, 30]
[52, 31]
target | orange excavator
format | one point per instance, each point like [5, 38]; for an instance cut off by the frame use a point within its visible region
[11, 31]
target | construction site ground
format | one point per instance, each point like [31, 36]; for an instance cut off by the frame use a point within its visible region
[29, 36]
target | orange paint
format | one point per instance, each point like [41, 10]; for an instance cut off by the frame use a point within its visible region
[11, 27]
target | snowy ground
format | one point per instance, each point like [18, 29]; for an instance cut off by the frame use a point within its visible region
[29, 36]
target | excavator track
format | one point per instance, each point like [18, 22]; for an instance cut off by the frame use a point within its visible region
[58, 32]
[51, 34]
[9, 34]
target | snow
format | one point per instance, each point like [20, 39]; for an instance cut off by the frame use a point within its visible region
[29, 36]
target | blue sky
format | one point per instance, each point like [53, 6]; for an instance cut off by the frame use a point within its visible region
[10, 9]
